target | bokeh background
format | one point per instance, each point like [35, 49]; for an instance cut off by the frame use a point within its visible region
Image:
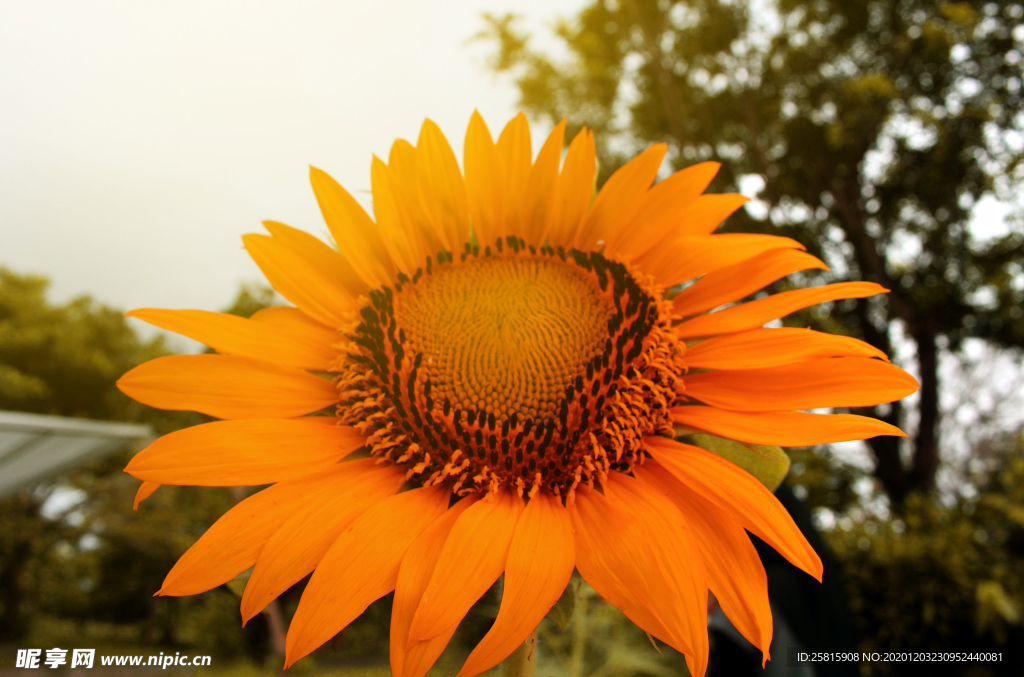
[139, 140]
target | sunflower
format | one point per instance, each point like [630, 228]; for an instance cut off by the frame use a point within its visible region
[506, 352]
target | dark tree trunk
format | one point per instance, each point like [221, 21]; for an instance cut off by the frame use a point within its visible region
[889, 467]
[926, 442]
[896, 478]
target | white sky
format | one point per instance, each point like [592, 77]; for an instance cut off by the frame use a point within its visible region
[139, 140]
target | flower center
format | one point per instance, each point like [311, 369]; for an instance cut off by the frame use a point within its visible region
[504, 335]
[539, 368]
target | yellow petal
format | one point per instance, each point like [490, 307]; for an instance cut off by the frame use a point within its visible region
[298, 546]
[247, 452]
[515, 153]
[303, 281]
[413, 576]
[484, 182]
[324, 257]
[815, 384]
[707, 212]
[573, 191]
[764, 347]
[735, 572]
[753, 314]
[740, 495]
[783, 428]
[145, 491]
[685, 258]
[441, 189]
[472, 559]
[620, 199]
[234, 335]
[360, 567]
[225, 386]
[398, 233]
[540, 563]
[540, 189]
[298, 326]
[635, 550]
[232, 544]
[354, 232]
[661, 214]
[732, 283]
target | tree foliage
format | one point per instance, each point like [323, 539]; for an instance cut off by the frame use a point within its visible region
[875, 128]
[60, 360]
[942, 576]
[63, 360]
[98, 561]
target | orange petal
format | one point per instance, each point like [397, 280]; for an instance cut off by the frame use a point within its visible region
[399, 235]
[323, 256]
[441, 189]
[753, 314]
[472, 559]
[234, 335]
[660, 216]
[742, 279]
[783, 428]
[540, 189]
[232, 544]
[402, 172]
[596, 528]
[354, 232]
[300, 327]
[688, 576]
[827, 382]
[484, 181]
[360, 567]
[244, 452]
[514, 154]
[540, 563]
[413, 576]
[620, 199]
[402, 163]
[573, 190]
[226, 386]
[740, 495]
[759, 348]
[735, 572]
[146, 490]
[707, 212]
[635, 550]
[315, 290]
[298, 546]
[685, 258]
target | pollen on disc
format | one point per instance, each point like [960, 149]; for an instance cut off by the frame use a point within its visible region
[507, 335]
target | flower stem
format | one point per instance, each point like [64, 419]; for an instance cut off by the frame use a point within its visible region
[523, 661]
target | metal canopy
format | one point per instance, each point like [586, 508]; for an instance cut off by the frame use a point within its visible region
[35, 447]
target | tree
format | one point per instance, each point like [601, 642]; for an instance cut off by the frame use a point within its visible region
[942, 575]
[60, 360]
[64, 360]
[875, 128]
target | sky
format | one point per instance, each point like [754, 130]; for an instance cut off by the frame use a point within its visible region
[139, 141]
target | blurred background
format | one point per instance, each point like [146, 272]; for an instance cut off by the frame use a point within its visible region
[138, 141]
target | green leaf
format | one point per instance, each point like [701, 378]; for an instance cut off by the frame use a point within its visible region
[767, 464]
[561, 613]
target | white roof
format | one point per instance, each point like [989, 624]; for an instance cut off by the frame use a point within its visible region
[35, 447]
